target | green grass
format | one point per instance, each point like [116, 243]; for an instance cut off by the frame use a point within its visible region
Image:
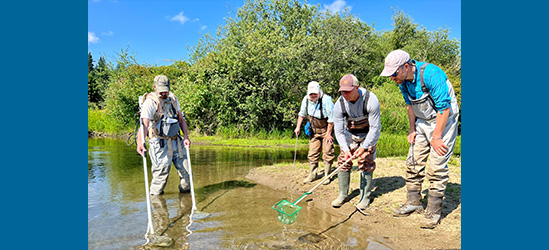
[388, 145]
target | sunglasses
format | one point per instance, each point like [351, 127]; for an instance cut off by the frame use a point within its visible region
[396, 73]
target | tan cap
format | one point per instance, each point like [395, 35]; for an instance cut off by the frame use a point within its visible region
[162, 83]
[348, 82]
[394, 60]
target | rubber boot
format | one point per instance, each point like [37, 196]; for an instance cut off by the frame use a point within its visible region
[433, 213]
[365, 189]
[327, 172]
[344, 179]
[312, 174]
[412, 204]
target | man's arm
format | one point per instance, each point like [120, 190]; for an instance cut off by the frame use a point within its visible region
[298, 125]
[183, 123]
[141, 149]
[339, 129]
[412, 122]
[329, 139]
[374, 118]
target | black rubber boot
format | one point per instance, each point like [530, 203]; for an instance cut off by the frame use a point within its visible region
[344, 178]
[365, 189]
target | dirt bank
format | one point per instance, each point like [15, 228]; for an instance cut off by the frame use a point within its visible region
[388, 192]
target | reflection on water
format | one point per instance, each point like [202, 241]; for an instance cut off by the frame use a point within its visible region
[239, 211]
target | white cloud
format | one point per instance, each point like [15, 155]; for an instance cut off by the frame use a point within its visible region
[180, 18]
[204, 27]
[92, 38]
[337, 6]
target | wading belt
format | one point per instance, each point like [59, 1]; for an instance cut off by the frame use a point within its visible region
[170, 149]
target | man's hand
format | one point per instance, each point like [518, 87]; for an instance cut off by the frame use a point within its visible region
[412, 137]
[187, 143]
[296, 131]
[359, 152]
[439, 146]
[329, 139]
[141, 149]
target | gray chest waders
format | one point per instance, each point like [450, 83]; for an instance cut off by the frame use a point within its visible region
[424, 107]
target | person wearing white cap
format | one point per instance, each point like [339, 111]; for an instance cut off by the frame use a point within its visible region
[318, 107]
[433, 117]
[162, 119]
[357, 125]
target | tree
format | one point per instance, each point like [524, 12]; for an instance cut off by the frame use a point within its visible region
[90, 62]
[257, 72]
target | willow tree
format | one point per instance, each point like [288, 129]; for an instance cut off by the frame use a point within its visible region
[258, 68]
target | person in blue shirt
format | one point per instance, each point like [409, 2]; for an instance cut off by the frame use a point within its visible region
[318, 107]
[433, 117]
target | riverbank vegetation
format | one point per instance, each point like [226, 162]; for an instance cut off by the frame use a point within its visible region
[244, 84]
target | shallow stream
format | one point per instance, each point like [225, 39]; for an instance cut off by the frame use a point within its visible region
[240, 213]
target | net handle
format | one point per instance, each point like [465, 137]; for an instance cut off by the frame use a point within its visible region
[320, 182]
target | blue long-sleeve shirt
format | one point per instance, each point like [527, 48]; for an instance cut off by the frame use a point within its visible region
[436, 82]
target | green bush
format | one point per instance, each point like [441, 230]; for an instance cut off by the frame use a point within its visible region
[250, 78]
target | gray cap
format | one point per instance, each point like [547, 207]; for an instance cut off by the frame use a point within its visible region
[162, 83]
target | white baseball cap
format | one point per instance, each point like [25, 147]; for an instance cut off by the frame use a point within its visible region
[313, 88]
[394, 60]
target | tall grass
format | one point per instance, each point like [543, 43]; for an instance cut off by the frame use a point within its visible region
[389, 144]
[101, 122]
[397, 145]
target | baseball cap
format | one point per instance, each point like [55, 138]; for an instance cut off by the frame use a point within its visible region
[162, 83]
[313, 88]
[348, 82]
[394, 60]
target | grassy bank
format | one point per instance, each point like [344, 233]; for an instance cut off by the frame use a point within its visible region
[389, 144]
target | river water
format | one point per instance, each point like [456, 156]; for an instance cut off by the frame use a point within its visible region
[239, 213]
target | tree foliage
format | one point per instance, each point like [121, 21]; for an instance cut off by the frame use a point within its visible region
[254, 72]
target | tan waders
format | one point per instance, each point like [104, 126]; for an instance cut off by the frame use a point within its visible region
[344, 178]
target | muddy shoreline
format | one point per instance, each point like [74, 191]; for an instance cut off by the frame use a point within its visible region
[388, 192]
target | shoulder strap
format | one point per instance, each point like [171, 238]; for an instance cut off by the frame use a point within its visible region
[364, 107]
[321, 113]
[424, 87]
[343, 109]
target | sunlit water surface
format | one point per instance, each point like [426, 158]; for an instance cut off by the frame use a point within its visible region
[238, 211]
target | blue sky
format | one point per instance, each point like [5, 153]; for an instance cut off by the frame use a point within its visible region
[157, 32]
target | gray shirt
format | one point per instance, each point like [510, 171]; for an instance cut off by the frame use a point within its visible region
[355, 110]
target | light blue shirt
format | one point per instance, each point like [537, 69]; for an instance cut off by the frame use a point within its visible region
[314, 108]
